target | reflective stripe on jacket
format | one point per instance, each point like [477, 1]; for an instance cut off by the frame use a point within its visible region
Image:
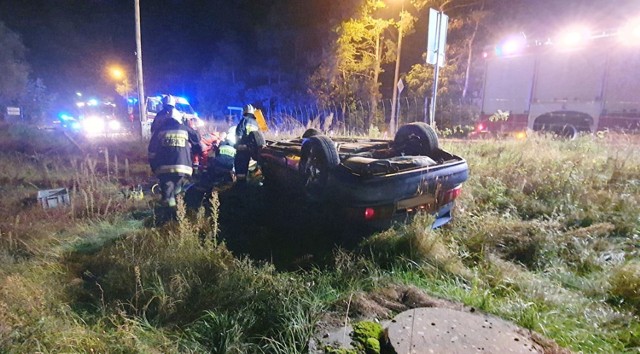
[180, 169]
[247, 124]
[170, 148]
[226, 150]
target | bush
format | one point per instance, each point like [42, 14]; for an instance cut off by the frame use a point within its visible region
[625, 284]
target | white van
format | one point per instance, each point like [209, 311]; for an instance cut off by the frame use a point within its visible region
[154, 105]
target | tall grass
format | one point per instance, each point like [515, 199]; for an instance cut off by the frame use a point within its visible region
[546, 235]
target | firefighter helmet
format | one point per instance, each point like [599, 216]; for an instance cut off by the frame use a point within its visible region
[168, 100]
[248, 109]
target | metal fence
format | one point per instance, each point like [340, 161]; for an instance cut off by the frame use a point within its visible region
[350, 119]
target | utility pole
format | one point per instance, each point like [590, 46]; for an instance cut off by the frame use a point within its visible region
[141, 98]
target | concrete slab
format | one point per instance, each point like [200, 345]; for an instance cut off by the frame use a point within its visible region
[442, 330]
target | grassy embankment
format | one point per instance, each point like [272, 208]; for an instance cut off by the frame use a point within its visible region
[547, 235]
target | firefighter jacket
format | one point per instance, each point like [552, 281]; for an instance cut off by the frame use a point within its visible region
[160, 118]
[171, 148]
[247, 124]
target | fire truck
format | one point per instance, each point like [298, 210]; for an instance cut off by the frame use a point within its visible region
[581, 82]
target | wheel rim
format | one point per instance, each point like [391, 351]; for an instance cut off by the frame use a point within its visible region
[314, 172]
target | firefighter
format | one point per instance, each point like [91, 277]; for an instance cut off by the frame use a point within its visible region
[220, 168]
[168, 109]
[247, 124]
[170, 155]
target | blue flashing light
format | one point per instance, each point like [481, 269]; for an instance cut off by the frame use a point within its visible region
[64, 117]
[92, 102]
[511, 45]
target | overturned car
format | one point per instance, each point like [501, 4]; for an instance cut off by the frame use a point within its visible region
[369, 181]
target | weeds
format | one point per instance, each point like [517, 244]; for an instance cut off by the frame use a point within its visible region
[546, 235]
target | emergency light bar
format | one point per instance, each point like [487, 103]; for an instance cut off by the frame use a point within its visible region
[572, 37]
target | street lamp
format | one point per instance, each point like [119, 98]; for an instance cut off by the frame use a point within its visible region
[117, 73]
[120, 75]
[394, 99]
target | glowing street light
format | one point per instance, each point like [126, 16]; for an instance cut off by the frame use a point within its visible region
[117, 73]
[120, 75]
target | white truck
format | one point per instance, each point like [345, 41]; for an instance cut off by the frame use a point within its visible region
[564, 89]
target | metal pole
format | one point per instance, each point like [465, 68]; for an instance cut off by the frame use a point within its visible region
[141, 98]
[432, 113]
[392, 121]
[398, 110]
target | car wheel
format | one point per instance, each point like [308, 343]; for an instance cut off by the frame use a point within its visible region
[311, 132]
[318, 157]
[567, 131]
[416, 138]
[255, 142]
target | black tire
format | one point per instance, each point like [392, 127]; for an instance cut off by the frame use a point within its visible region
[311, 132]
[318, 158]
[416, 138]
[255, 142]
[567, 131]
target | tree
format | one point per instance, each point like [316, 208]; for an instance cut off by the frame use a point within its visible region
[461, 77]
[15, 70]
[221, 84]
[35, 101]
[350, 71]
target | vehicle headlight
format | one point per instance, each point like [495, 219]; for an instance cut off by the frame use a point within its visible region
[114, 125]
[93, 125]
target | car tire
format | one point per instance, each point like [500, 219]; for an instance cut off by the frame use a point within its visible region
[311, 132]
[567, 131]
[416, 138]
[255, 142]
[319, 156]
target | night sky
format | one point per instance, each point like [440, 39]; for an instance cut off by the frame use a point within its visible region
[71, 42]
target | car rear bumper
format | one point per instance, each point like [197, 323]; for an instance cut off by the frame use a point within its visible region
[360, 217]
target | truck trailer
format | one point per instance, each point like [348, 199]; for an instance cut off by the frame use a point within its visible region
[588, 84]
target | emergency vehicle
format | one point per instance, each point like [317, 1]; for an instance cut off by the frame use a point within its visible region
[154, 105]
[579, 82]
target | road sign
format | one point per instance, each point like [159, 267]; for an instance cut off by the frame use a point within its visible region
[437, 37]
[13, 111]
[400, 86]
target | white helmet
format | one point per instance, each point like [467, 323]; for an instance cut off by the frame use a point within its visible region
[177, 115]
[168, 100]
[248, 109]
